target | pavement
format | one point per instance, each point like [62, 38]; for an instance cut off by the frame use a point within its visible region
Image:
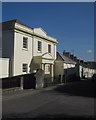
[83, 88]
[13, 93]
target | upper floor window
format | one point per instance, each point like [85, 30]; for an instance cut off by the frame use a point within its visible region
[49, 48]
[24, 67]
[39, 46]
[25, 42]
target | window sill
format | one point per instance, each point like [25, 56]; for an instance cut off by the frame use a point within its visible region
[49, 52]
[25, 49]
[24, 73]
[39, 51]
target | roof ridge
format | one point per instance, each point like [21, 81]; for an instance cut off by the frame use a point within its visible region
[13, 21]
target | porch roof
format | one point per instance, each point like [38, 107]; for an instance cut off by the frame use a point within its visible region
[45, 58]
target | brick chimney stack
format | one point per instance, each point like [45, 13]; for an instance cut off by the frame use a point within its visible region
[75, 59]
[72, 57]
[67, 54]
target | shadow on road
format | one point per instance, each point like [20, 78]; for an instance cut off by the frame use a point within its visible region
[52, 117]
[84, 88]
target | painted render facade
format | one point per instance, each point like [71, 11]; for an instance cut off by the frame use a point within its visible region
[90, 68]
[67, 64]
[4, 67]
[28, 49]
[64, 66]
[83, 69]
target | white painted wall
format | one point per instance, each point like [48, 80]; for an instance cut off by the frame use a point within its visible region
[55, 50]
[69, 68]
[80, 70]
[13, 47]
[59, 68]
[21, 55]
[44, 47]
[67, 65]
[40, 31]
[91, 72]
[86, 72]
[22, 27]
[4, 67]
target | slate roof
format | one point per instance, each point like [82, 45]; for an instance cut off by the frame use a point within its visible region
[91, 64]
[8, 25]
[66, 59]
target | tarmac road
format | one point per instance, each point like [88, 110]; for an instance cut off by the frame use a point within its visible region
[59, 102]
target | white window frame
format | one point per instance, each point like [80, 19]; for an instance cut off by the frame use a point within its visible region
[25, 67]
[47, 68]
[39, 46]
[49, 48]
[25, 43]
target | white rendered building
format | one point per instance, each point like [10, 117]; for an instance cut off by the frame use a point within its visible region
[28, 49]
[4, 67]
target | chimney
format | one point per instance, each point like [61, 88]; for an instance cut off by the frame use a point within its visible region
[72, 57]
[81, 61]
[67, 54]
[75, 58]
[86, 64]
[78, 60]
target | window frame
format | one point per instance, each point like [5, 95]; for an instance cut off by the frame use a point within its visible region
[49, 48]
[25, 42]
[39, 46]
[47, 68]
[24, 67]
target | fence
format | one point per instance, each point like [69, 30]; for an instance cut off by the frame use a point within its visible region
[29, 81]
[49, 81]
[60, 79]
[10, 82]
[25, 81]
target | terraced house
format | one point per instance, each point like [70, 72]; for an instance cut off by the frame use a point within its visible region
[28, 49]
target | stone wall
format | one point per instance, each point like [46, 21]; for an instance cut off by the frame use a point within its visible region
[39, 78]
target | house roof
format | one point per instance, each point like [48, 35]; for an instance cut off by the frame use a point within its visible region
[10, 25]
[91, 64]
[7, 25]
[66, 59]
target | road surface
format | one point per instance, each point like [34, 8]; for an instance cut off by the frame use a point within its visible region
[62, 102]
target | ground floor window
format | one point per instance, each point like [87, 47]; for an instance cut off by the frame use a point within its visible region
[24, 67]
[47, 68]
